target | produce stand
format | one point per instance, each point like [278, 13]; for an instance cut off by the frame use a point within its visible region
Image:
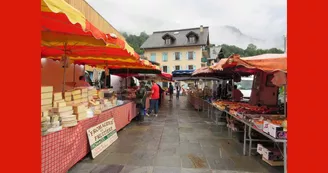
[61, 150]
[233, 68]
[248, 127]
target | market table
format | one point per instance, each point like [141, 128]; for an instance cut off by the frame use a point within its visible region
[61, 150]
[250, 128]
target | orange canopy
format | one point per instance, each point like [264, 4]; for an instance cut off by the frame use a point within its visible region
[265, 62]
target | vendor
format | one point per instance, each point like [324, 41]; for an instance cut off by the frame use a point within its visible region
[82, 82]
[237, 94]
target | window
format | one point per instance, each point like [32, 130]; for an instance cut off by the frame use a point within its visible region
[203, 65]
[168, 41]
[164, 57]
[165, 69]
[153, 57]
[177, 67]
[192, 39]
[190, 55]
[177, 55]
[190, 67]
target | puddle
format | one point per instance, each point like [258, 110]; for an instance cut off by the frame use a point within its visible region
[196, 161]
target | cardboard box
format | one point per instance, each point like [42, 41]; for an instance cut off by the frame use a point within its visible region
[272, 154]
[58, 96]
[76, 92]
[260, 149]
[46, 89]
[266, 126]
[274, 130]
[46, 102]
[77, 97]
[46, 95]
[62, 109]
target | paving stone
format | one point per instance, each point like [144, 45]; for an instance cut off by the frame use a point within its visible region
[107, 169]
[180, 139]
[167, 161]
[166, 170]
[137, 169]
[194, 161]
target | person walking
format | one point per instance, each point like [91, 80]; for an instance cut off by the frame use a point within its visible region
[160, 95]
[178, 88]
[141, 100]
[154, 99]
[171, 91]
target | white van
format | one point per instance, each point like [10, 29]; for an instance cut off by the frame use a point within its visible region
[245, 86]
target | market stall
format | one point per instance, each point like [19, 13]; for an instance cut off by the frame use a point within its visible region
[260, 119]
[67, 115]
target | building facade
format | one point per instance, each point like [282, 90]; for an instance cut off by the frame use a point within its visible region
[178, 49]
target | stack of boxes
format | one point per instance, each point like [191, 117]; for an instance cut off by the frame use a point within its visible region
[92, 92]
[45, 122]
[68, 119]
[68, 98]
[80, 111]
[46, 98]
[77, 96]
[57, 99]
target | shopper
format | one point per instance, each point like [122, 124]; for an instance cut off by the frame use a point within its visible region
[171, 91]
[160, 95]
[178, 88]
[141, 100]
[154, 99]
[237, 94]
[82, 82]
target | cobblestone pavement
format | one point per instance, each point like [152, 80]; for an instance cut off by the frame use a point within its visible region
[179, 140]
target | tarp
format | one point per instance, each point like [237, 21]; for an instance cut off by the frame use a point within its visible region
[266, 62]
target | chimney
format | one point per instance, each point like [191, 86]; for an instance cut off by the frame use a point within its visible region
[201, 29]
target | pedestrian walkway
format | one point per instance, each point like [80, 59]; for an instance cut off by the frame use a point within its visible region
[179, 140]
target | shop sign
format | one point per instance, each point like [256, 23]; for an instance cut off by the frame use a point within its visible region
[101, 136]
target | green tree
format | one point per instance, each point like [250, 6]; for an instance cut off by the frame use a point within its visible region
[136, 41]
[251, 50]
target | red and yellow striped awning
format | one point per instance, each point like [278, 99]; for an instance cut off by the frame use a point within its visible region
[65, 31]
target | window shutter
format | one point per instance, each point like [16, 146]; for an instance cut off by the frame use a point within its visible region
[180, 56]
[173, 55]
[163, 57]
[168, 69]
[187, 67]
[194, 67]
[194, 55]
[187, 55]
[180, 67]
[173, 68]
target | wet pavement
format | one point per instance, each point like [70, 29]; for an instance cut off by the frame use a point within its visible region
[179, 140]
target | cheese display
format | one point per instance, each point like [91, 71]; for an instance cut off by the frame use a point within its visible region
[46, 97]
[64, 109]
[80, 111]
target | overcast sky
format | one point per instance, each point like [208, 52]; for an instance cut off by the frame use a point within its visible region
[261, 21]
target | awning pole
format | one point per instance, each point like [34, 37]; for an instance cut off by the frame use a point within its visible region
[64, 66]
[106, 71]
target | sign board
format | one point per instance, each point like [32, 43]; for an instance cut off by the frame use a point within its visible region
[101, 136]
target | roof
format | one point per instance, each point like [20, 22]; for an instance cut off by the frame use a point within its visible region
[180, 35]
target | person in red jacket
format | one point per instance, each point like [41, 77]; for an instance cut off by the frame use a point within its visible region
[154, 99]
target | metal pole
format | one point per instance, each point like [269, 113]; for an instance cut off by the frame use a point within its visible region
[74, 74]
[64, 66]
[250, 141]
[106, 74]
[245, 137]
